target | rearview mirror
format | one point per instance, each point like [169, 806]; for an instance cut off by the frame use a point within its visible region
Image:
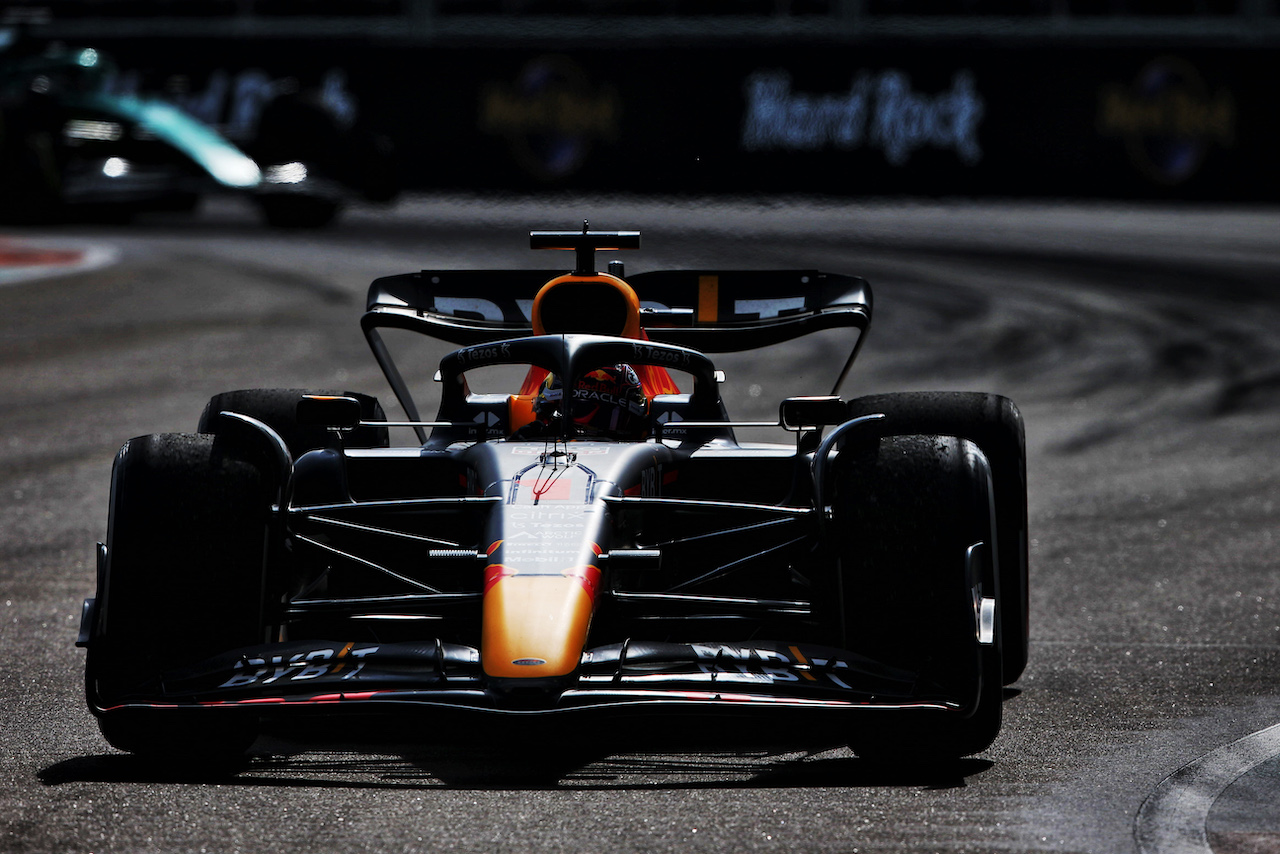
[332, 411]
[799, 413]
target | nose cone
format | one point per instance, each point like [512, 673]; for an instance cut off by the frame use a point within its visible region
[535, 626]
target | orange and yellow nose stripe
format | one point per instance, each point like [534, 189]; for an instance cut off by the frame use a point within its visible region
[542, 578]
[535, 626]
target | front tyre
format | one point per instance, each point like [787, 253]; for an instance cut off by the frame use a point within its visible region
[994, 424]
[915, 520]
[182, 581]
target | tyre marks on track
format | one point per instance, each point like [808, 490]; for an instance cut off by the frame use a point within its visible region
[1174, 817]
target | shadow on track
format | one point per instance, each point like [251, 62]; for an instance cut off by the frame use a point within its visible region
[484, 770]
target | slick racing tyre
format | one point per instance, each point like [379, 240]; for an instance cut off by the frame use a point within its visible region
[910, 512]
[994, 424]
[182, 581]
[277, 408]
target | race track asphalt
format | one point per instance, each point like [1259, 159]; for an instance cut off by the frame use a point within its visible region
[1140, 342]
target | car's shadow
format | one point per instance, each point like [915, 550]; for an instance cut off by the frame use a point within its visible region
[555, 759]
[458, 769]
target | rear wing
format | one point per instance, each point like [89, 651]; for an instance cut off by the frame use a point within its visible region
[706, 310]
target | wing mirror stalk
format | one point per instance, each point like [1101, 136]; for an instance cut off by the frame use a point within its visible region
[867, 428]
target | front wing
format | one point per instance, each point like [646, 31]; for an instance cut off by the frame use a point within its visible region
[636, 677]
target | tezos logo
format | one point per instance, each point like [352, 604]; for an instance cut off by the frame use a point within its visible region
[654, 355]
[477, 354]
[1168, 118]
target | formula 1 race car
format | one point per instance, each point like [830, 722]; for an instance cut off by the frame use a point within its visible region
[72, 147]
[69, 145]
[596, 546]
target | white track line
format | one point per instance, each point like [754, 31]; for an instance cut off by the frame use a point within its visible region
[1174, 816]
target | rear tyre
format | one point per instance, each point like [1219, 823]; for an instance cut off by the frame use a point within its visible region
[277, 408]
[994, 424]
[908, 512]
[182, 582]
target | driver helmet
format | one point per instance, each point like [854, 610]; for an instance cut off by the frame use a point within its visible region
[606, 402]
